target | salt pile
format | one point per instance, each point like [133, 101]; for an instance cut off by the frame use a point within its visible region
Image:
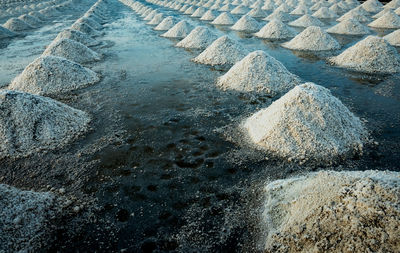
[306, 21]
[37, 15]
[241, 9]
[257, 13]
[324, 12]
[349, 27]
[275, 29]
[200, 38]
[32, 21]
[91, 22]
[25, 219]
[354, 14]
[30, 124]
[247, 24]
[77, 36]
[156, 20]
[389, 20]
[373, 6]
[393, 38]
[394, 4]
[17, 25]
[307, 123]
[199, 12]
[258, 72]
[312, 38]
[180, 30]
[71, 50]
[282, 16]
[371, 55]
[85, 28]
[166, 24]
[50, 75]
[5, 33]
[300, 10]
[224, 19]
[223, 51]
[381, 13]
[150, 16]
[210, 15]
[189, 11]
[227, 7]
[350, 211]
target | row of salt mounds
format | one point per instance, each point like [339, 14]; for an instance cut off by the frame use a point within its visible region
[312, 38]
[389, 20]
[351, 211]
[306, 21]
[17, 25]
[77, 36]
[246, 24]
[275, 29]
[223, 51]
[71, 50]
[180, 30]
[31, 123]
[349, 27]
[166, 24]
[307, 123]
[25, 218]
[393, 38]
[200, 38]
[371, 55]
[51, 75]
[259, 72]
[5, 33]
[224, 19]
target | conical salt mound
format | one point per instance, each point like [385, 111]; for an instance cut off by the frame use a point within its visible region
[241, 9]
[5, 33]
[31, 123]
[37, 15]
[180, 30]
[373, 6]
[190, 10]
[71, 50]
[306, 21]
[246, 24]
[354, 14]
[282, 16]
[393, 38]
[210, 15]
[389, 20]
[307, 123]
[275, 29]
[355, 209]
[150, 16]
[17, 25]
[199, 12]
[349, 27]
[371, 55]
[91, 22]
[394, 4]
[156, 19]
[381, 13]
[77, 36]
[258, 72]
[166, 24]
[200, 38]
[324, 12]
[223, 51]
[50, 75]
[32, 21]
[257, 13]
[312, 38]
[300, 10]
[85, 28]
[224, 19]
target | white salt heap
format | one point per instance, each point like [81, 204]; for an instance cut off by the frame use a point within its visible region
[91, 22]
[355, 14]
[371, 55]
[71, 50]
[328, 211]
[32, 21]
[166, 24]
[224, 19]
[389, 20]
[307, 123]
[25, 219]
[300, 10]
[241, 9]
[223, 51]
[373, 6]
[324, 12]
[381, 13]
[275, 29]
[306, 21]
[150, 16]
[50, 75]
[312, 38]
[349, 27]
[17, 25]
[258, 72]
[77, 36]
[210, 15]
[199, 12]
[156, 19]
[246, 24]
[85, 28]
[5, 33]
[393, 38]
[257, 13]
[30, 124]
[180, 30]
[282, 16]
[200, 38]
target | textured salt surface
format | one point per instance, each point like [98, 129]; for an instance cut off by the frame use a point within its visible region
[50, 75]
[224, 19]
[223, 51]
[5, 33]
[85, 28]
[156, 19]
[306, 21]
[210, 15]
[282, 16]
[352, 211]
[389, 20]
[257, 13]
[373, 6]
[31, 124]
[247, 24]
[275, 29]
[258, 72]
[393, 38]
[199, 12]
[354, 14]
[324, 12]
[200, 38]
[166, 24]
[77, 36]
[32, 21]
[91, 22]
[16, 25]
[349, 27]
[301, 10]
[307, 123]
[71, 50]
[180, 30]
[312, 38]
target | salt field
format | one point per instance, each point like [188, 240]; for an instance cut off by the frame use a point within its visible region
[199, 126]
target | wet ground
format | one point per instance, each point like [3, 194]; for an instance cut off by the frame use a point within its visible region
[166, 160]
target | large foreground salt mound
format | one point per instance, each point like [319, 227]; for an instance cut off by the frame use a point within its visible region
[349, 27]
[31, 123]
[180, 30]
[352, 211]
[223, 51]
[275, 29]
[259, 72]
[307, 123]
[371, 55]
[50, 75]
[25, 219]
[17, 25]
[77, 36]
[312, 38]
[200, 38]
[71, 50]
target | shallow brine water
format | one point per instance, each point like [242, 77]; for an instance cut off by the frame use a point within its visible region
[166, 159]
